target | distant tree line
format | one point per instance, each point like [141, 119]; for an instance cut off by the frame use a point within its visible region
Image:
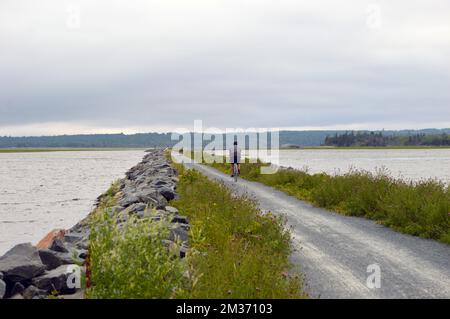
[287, 138]
[87, 141]
[378, 139]
[303, 138]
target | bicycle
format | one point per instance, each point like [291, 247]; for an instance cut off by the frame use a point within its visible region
[235, 172]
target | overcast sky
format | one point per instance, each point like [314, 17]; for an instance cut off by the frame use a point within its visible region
[144, 65]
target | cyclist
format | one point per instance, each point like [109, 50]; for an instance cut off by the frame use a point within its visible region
[235, 157]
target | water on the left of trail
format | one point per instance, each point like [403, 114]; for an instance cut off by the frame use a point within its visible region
[43, 191]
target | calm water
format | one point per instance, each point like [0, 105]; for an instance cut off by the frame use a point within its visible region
[408, 164]
[42, 191]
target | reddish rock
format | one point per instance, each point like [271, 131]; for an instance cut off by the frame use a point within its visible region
[47, 241]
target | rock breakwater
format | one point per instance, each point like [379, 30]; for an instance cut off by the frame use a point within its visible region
[52, 266]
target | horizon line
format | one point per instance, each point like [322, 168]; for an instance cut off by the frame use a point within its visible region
[230, 132]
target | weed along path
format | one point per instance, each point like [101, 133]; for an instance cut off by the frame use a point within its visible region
[351, 257]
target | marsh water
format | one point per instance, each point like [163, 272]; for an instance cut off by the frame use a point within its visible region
[406, 164]
[47, 190]
[43, 191]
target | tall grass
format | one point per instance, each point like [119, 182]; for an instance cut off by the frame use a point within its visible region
[131, 261]
[236, 251]
[420, 209]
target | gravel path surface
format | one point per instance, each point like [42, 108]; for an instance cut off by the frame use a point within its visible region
[334, 251]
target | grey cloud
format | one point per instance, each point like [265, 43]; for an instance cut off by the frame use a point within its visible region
[271, 65]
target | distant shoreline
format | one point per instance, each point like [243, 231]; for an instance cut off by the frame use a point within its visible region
[363, 147]
[68, 149]
[319, 148]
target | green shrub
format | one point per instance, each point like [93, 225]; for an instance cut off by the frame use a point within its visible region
[131, 261]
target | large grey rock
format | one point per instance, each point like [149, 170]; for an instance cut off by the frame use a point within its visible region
[136, 171]
[179, 233]
[50, 259]
[134, 208]
[53, 259]
[151, 198]
[160, 182]
[2, 288]
[162, 166]
[82, 244]
[82, 254]
[167, 193]
[78, 228]
[73, 237]
[183, 251]
[128, 199]
[180, 219]
[55, 279]
[21, 263]
[171, 210]
[59, 246]
[79, 238]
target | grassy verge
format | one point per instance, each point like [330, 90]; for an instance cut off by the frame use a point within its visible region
[420, 209]
[235, 251]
